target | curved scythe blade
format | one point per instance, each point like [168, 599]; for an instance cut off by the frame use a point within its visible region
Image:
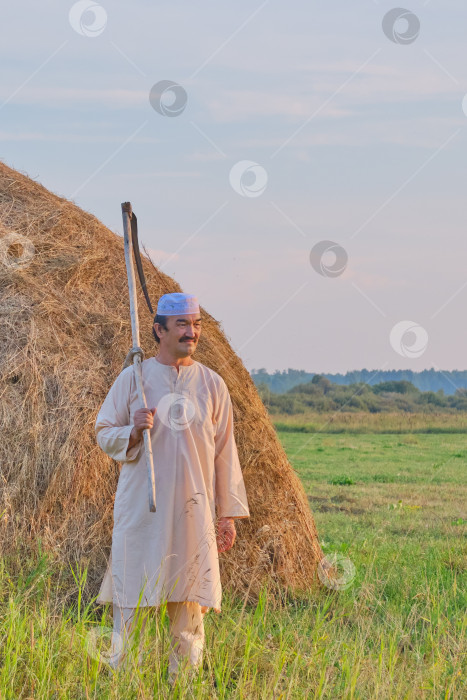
[137, 256]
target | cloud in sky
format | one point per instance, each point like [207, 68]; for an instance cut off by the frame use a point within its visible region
[160, 257]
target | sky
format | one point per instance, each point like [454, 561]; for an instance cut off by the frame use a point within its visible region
[299, 167]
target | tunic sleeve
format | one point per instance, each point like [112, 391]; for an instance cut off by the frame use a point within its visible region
[231, 500]
[112, 426]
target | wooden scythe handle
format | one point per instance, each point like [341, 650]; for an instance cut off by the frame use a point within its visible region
[137, 358]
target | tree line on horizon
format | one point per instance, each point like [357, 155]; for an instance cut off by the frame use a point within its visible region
[320, 394]
[281, 381]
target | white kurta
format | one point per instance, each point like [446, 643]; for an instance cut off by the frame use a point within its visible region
[170, 554]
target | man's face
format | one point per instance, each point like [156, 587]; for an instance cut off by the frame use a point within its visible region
[182, 334]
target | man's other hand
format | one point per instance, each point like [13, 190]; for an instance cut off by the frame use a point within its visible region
[226, 534]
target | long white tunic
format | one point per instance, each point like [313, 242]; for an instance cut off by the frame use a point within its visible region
[170, 554]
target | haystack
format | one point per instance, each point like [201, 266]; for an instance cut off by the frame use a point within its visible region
[64, 334]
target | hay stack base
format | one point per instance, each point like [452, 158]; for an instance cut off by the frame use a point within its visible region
[64, 334]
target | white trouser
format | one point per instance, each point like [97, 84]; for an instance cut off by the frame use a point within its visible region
[186, 633]
[124, 624]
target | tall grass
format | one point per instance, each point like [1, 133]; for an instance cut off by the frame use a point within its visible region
[393, 626]
[380, 638]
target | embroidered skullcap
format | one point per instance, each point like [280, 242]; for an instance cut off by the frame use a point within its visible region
[177, 303]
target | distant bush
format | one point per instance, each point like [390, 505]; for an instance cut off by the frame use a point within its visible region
[402, 387]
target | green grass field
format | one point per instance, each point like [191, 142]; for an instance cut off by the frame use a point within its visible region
[391, 507]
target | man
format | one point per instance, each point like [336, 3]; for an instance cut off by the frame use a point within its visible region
[171, 554]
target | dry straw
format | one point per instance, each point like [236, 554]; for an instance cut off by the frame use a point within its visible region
[64, 334]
